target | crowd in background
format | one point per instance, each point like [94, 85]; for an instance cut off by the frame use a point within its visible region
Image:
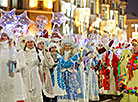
[57, 69]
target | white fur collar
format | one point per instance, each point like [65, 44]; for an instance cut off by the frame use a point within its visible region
[4, 45]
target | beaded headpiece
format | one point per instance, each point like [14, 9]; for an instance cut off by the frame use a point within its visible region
[67, 40]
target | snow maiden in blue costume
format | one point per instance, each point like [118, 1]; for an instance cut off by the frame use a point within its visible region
[87, 76]
[68, 71]
[92, 77]
[55, 61]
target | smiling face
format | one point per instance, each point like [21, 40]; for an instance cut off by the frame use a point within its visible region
[30, 44]
[67, 47]
[41, 45]
[4, 37]
[53, 49]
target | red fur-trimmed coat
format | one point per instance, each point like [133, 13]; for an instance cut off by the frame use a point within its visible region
[115, 62]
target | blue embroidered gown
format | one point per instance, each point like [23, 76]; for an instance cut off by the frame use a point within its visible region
[87, 79]
[83, 78]
[70, 80]
[57, 80]
[93, 81]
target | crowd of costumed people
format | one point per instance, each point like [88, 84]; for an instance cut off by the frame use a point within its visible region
[66, 68]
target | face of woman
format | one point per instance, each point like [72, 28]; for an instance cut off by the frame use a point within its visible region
[135, 48]
[4, 37]
[23, 41]
[53, 49]
[40, 45]
[67, 47]
[30, 44]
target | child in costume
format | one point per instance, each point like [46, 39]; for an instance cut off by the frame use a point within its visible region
[7, 64]
[93, 78]
[68, 71]
[86, 75]
[44, 71]
[55, 71]
[29, 63]
[20, 86]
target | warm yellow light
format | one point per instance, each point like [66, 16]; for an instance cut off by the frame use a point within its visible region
[120, 32]
[77, 23]
[4, 3]
[107, 13]
[48, 4]
[32, 30]
[33, 3]
[82, 28]
[102, 31]
[81, 15]
[91, 28]
[97, 7]
[116, 18]
[84, 3]
[125, 21]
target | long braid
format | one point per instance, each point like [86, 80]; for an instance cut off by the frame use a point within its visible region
[25, 47]
[37, 53]
[10, 43]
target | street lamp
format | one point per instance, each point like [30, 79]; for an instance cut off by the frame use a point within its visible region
[4, 3]
[33, 3]
[135, 25]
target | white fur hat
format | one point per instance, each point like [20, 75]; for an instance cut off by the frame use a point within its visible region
[67, 40]
[51, 45]
[41, 39]
[29, 37]
[56, 39]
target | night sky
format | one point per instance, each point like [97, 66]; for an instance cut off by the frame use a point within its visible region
[132, 7]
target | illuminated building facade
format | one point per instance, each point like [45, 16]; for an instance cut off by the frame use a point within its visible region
[34, 8]
[110, 18]
[132, 26]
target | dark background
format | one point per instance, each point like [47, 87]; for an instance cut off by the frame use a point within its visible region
[132, 7]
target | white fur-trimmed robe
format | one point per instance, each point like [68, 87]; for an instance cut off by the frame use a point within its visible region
[7, 83]
[47, 83]
[30, 73]
[20, 85]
